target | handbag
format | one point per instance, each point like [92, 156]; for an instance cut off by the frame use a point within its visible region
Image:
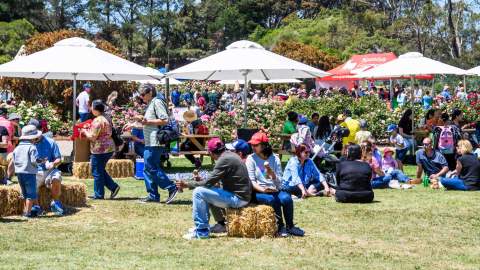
[170, 131]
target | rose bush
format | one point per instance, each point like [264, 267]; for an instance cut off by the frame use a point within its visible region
[39, 111]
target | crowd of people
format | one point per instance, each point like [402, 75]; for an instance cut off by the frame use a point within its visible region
[249, 171]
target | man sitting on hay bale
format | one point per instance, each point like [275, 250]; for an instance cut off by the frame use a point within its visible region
[232, 173]
[48, 174]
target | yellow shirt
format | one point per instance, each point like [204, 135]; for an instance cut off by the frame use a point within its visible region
[353, 126]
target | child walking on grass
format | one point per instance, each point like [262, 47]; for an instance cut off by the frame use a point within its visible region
[25, 161]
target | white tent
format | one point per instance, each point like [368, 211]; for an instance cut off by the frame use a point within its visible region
[474, 71]
[172, 81]
[75, 59]
[228, 82]
[409, 65]
[245, 60]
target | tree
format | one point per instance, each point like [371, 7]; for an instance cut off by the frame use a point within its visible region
[13, 35]
[306, 54]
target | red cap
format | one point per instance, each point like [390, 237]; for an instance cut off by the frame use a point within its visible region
[258, 138]
[214, 144]
[201, 101]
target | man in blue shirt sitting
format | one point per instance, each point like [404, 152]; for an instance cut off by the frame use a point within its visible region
[430, 161]
[48, 174]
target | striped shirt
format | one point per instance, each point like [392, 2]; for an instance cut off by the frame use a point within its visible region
[156, 109]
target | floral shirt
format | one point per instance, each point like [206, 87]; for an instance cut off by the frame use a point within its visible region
[102, 141]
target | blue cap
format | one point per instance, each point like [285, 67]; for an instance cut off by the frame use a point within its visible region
[87, 85]
[391, 127]
[239, 146]
[302, 119]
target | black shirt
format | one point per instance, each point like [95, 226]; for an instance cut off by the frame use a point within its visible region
[470, 173]
[354, 176]
[3, 132]
[406, 124]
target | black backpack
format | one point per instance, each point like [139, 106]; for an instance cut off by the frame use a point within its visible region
[169, 132]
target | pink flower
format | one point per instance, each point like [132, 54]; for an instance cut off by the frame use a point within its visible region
[232, 113]
[205, 118]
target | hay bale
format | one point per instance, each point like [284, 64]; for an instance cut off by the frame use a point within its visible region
[73, 194]
[11, 201]
[251, 222]
[116, 168]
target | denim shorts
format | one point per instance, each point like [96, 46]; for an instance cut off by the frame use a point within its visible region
[28, 184]
[400, 154]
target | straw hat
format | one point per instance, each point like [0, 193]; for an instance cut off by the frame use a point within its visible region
[190, 116]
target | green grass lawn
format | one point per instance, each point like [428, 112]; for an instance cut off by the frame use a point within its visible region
[404, 229]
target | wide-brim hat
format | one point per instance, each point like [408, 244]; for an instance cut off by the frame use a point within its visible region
[189, 116]
[341, 118]
[30, 132]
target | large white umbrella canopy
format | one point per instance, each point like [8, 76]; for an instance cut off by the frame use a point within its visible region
[228, 82]
[172, 81]
[245, 60]
[75, 59]
[474, 71]
[410, 64]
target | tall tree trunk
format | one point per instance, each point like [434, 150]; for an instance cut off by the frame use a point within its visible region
[455, 39]
[150, 30]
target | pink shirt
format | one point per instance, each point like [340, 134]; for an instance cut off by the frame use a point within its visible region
[11, 131]
[389, 163]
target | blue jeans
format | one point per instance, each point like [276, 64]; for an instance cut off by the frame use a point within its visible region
[139, 149]
[278, 200]
[295, 190]
[28, 184]
[203, 196]
[383, 181]
[101, 178]
[154, 176]
[453, 183]
[83, 116]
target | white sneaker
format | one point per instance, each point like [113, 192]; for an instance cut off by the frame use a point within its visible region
[218, 228]
[394, 184]
[406, 186]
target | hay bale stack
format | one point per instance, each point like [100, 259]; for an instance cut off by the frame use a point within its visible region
[73, 194]
[11, 200]
[116, 168]
[251, 222]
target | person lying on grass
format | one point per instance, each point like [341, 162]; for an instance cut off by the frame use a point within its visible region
[301, 177]
[265, 172]
[236, 190]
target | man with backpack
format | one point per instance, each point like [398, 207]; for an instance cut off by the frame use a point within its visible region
[156, 115]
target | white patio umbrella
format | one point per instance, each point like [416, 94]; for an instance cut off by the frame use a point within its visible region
[172, 81]
[474, 71]
[408, 66]
[228, 82]
[245, 60]
[75, 59]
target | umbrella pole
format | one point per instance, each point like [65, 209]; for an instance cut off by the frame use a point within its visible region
[74, 114]
[433, 87]
[464, 83]
[413, 115]
[245, 91]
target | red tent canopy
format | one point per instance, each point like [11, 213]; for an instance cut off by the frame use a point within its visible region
[360, 63]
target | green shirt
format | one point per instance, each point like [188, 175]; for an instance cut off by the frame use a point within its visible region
[289, 127]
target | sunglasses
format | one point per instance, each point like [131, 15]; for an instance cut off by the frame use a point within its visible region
[427, 144]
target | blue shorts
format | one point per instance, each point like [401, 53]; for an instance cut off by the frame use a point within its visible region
[28, 184]
[400, 154]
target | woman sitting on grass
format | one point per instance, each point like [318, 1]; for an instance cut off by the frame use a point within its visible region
[353, 178]
[467, 170]
[265, 172]
[301, 177]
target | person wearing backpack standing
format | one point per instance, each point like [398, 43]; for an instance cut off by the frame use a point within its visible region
[446, 138]
[156, 115]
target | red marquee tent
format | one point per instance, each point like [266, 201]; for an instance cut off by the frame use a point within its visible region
[344, 75]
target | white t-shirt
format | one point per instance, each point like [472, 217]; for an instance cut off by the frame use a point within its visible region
[398, 140]
[82, 101]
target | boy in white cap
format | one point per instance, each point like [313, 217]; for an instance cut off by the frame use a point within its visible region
[25, 159]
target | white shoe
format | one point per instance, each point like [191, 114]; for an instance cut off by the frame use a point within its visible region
[406, 186]
[394, 184]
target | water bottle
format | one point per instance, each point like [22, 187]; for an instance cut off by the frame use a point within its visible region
[426, 180]
[174, 146]
[131, 147]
